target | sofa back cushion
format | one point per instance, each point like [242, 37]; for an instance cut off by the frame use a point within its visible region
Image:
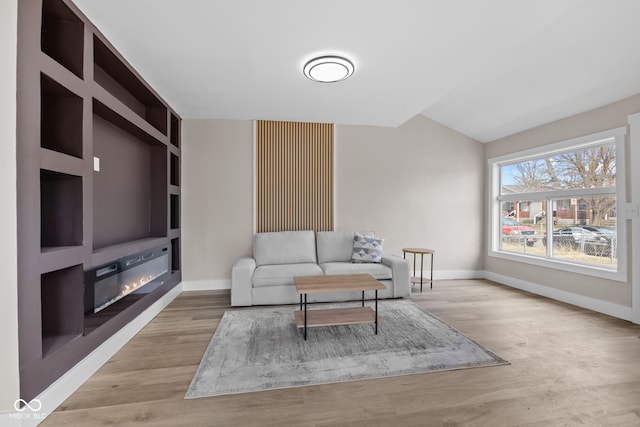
[284, 247]
[334, 246]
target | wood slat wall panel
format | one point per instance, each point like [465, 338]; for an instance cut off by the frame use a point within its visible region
[294, 176]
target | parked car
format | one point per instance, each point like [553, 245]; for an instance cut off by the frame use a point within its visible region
[513, 230]
[570, 237]
[592, 240]
[603, 243]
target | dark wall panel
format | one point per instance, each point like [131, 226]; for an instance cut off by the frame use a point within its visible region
[122, 187]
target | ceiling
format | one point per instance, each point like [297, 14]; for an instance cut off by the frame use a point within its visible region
[486, 68]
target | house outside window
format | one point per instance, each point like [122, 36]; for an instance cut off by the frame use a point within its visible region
[556, 205]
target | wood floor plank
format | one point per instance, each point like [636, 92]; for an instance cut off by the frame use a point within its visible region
[569, 366]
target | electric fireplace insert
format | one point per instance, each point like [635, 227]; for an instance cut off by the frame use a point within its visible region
[135, 274]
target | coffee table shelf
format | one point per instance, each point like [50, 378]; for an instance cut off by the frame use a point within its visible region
[336, 316]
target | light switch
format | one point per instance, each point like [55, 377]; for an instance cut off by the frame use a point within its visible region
[96, 164]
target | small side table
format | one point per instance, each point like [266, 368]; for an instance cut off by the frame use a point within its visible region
[422, 252]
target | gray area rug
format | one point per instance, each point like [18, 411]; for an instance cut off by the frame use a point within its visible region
[261, 349]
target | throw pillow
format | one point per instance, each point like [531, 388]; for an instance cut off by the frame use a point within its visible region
[366, 249]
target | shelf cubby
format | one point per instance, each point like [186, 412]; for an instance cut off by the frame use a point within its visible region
[62, 35]
[175, 254]
[60, 118]
[175, 211]
[60, 209]
[116, 78]
[130, 189]
[62, 307]
[175, 131]
[175, 170]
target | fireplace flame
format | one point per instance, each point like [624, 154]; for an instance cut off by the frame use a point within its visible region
[131, 285]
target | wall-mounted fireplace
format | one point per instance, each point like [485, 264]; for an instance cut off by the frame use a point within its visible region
[108, 286]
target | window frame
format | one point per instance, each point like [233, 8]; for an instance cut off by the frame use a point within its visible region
[615, 136]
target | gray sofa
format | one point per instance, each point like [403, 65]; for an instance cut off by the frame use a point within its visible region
[267, 277]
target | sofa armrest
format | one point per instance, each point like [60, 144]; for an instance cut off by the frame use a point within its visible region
[400, 274]
[241, 275]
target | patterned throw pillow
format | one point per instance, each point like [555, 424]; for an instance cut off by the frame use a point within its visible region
[366, 249]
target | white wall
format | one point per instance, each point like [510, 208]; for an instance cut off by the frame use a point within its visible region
[404, 183]
[217, 197]
[9, 364]
[594, 289]
[420, 184]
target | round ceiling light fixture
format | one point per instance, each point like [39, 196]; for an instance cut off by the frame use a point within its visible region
[328, 69]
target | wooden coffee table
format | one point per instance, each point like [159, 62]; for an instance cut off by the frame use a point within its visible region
[336, 316]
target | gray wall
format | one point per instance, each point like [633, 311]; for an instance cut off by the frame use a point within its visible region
[9, 367]
[608, 117]
[420, 184]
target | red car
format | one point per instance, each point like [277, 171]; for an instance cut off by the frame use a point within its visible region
[513, 230]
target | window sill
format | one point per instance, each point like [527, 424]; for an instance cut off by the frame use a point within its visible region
[588, 270]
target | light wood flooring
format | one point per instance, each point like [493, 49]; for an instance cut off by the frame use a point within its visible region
[569, 366]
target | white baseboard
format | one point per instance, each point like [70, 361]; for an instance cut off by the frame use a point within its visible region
[451, 274]
[206, 285]
[47, 401]
[604, 307]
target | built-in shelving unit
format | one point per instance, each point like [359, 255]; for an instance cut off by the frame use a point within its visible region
[99, 179]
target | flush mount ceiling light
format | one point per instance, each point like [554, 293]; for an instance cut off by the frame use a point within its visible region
[328, 69]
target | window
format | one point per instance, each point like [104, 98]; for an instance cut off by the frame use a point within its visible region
[556, 205]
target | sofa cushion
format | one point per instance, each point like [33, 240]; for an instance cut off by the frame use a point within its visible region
[366, 249]
[334, 246]
[378, 271]
[284, 247]
[283, 274]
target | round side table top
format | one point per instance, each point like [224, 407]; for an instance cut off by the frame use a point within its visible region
[418, 250]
